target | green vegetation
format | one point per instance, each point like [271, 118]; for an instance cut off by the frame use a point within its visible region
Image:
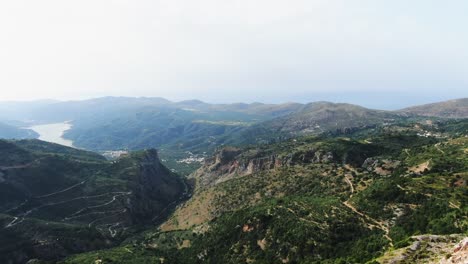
[56, 201]
[320, 199]
[320, 183]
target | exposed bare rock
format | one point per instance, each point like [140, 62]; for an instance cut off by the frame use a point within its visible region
[431, 249]
[230, 163]
[459, 255]
[381, 167]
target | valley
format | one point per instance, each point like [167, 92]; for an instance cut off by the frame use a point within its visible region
[79, 192]
[316, 200]
[233, 132]
[312, 183]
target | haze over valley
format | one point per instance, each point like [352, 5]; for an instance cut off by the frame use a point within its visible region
[237, 132]
[181, 176]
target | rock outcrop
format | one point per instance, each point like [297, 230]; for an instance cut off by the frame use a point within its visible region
[229, 163]
[431, 249]
[154, 188]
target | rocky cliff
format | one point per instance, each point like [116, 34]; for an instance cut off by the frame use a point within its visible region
[229, 163]
[154, 188]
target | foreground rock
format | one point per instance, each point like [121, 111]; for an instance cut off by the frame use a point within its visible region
[433, 249]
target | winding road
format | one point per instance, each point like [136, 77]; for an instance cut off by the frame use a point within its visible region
[378, 224]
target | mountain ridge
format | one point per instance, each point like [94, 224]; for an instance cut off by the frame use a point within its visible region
[456, 108]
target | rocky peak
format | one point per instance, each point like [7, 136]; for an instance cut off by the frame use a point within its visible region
[150, 155]
[154, 187]
[227, 155]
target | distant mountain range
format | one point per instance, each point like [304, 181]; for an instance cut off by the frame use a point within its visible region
[56, 111]
[116, 123]
[10, 132]
[239, 183]
[449, 109]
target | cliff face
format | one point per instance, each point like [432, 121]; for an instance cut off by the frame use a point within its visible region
[230, 163]
[154, 188]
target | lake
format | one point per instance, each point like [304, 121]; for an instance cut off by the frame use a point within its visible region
[53, 133]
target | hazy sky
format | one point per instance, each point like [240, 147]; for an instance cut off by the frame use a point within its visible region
[376, 52]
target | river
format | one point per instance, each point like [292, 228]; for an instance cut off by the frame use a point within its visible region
[53, 133]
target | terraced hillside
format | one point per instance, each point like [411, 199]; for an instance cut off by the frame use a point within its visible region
[353, 199]
[55, 201]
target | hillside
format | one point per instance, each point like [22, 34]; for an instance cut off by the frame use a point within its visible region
[11, 132]
[316, 118]
[188, 131]
[449, 109]
[56, 201]
[324, 199]
[113, 107]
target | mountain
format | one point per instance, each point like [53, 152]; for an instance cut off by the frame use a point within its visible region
[203, 127]
[12, 132]
[112, 123]
[187, 131]
[112, 107]
[449, 109]
[316, 118]
[21, 110]
[368, 197]
[56, 201]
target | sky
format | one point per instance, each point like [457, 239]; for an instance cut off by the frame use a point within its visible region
[377, 53]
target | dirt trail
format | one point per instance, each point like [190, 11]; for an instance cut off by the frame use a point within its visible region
[77, 214]
[114, 198]
[27, 213]
[454, 205]
[61, 191]
[12, 223]
[16, 207]
[380, 225]
[437, 146]
[99, 219]
[22, 166]
[407, 152]
[350, 185]
[92, 213]
[112, 231]
[300, 218]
